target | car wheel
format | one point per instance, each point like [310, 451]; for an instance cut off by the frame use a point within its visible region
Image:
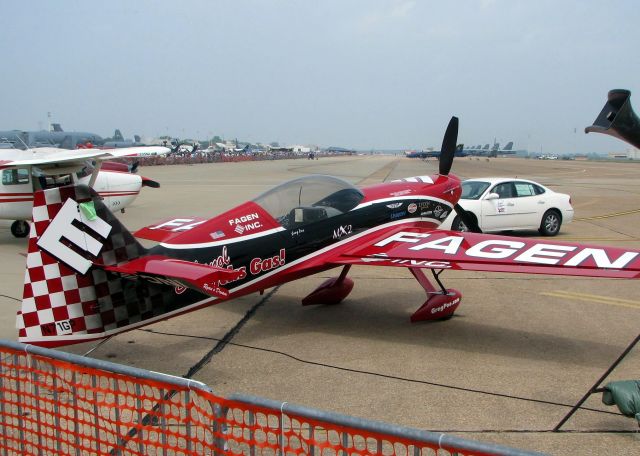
[20, 228]
[458, 224]
[550, 224]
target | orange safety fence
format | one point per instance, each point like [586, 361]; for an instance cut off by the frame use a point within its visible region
[53, 402]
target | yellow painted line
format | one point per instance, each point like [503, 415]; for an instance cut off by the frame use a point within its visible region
[615, 214]
[593, 298]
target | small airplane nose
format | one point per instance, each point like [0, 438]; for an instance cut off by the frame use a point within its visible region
[146, 182]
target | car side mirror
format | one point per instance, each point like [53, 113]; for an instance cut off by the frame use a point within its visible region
[492, 196]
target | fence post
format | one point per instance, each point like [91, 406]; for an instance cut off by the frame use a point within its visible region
[220, 412]
[96, 414]
[140, 419]
[74, 395]
[252, 436]
[187, 407]
[16, 362]
[3, 428]
[163, 423]
[345, 443]
[56, 412]
[116, 400]
[35, 403]
[281, 434]
[312, 447]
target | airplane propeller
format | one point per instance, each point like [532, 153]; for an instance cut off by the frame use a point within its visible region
[447, 152]
[448, 149]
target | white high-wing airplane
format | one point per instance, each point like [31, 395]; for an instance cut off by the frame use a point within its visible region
[26, 171]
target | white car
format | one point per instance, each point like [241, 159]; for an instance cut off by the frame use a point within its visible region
[500, 204]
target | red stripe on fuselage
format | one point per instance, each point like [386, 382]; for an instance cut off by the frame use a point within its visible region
[16, 200]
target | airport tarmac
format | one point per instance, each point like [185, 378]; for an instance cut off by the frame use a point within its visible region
[521, 350]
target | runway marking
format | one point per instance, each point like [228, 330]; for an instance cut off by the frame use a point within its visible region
[380, 175]
[615, 214]
[593, 298]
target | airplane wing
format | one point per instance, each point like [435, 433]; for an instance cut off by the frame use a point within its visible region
[46, 157]
[439, 249]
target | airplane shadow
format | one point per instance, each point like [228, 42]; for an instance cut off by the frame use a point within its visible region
[387, 320]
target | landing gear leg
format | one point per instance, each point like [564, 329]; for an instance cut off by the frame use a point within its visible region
[440, 304]
[20, 228]
[331, 291]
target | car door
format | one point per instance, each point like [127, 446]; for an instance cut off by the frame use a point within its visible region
[529, 205]
[500, 213]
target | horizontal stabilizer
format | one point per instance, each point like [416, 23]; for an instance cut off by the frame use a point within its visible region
[182, 274]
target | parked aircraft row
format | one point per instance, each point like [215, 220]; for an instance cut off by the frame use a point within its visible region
[57, 137]
[491, 152]
[461, 151]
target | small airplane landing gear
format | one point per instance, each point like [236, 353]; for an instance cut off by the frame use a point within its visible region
[440, 304]
[20, 228]
[331, 291]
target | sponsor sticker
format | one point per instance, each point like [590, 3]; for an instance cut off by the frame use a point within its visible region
[342, 230]
[244, 219]
[240, 229]
[394, 205]
[412, 208]
[397, 215]
[258, 265]
[217, 235]
[445, 306]
[400, 192]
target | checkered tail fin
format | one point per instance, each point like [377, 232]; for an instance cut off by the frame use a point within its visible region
[68, 296]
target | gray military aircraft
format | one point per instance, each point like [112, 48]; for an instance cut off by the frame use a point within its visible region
[56, 137]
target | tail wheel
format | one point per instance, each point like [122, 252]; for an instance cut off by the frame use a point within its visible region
[551, 222]
[20, 228]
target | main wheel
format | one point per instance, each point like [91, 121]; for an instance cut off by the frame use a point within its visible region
[550, 224]
[459, 225]
[20, 228]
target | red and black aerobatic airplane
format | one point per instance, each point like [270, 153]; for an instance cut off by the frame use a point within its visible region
[88, 277]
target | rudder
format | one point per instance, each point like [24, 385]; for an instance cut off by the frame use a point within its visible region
[65, 298]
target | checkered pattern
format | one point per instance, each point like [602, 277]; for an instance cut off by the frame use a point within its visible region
[53, 292]
[58, 302]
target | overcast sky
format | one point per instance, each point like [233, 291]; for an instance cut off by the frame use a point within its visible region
[363, 74]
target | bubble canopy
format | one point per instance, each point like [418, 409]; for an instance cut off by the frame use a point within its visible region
[309, 198]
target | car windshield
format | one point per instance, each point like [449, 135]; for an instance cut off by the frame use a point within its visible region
[309, 199]
[473, 190]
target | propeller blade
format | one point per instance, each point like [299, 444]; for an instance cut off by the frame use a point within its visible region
[448, 149]
[467, 219]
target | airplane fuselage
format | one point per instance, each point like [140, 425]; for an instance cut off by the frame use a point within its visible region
[118, 189]
[266, 252]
